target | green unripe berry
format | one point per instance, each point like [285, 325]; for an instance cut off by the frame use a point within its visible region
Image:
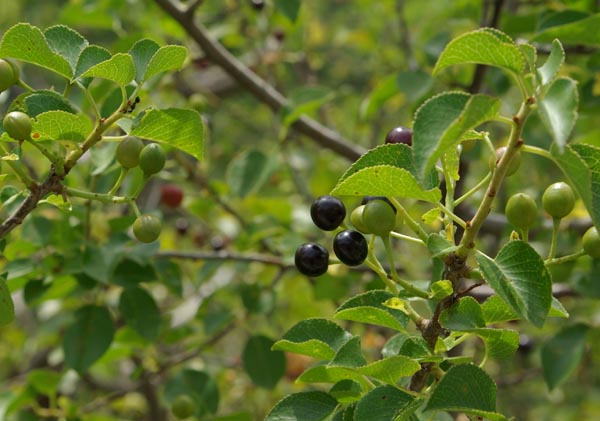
[18, 125]
[183, 407]
[521, 211]
[591, 242]
[128, 152]
[152, 158]
[356, 218]
[146, 228]
[379, 217]
[9, 75]
[514, 165]
[558, 200]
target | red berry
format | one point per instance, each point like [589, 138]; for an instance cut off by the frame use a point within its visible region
[171, 195]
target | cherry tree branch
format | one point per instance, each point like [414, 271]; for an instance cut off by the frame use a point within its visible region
[261, 89]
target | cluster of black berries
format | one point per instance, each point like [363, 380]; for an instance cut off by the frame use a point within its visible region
[131, 105]
[350, 247]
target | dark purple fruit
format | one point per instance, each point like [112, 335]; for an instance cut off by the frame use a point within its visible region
[399, 134]
[258, 4]
[311, 259]
[350, 247]
[327, 212]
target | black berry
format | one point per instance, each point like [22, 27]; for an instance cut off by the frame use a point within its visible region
[350, 247]
[311, 259]
[327, 212]
[399, 134]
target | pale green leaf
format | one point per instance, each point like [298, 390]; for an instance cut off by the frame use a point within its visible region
[119, 69]
[41, 101]
[465, 388]
[180, 128]
[303, 406]
[382, 403]
[27, 43]
[483, 46]
[519, 276]
[66, 42]
[496, 310]
[558, 109]
[369, 308]
[441, 122]
[385, 180]
[562, 354]
[581, 32]
[500, 343]
[61, 125]
[390, 369]
[547, 73]
[90, 57]
[464, 314]
[557, 310]
[166, 58]
[331, 374]
[440, 290]
[349, 354]
[346, 391]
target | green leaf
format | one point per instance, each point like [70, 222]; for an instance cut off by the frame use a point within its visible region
[249, 171]
[66, 42]
[385, 180]
[319, 338]
[331, 374]
[547, 73]
[496, 310]
[500, 343]
[465, 314]
[44, 381]
[483, 46]
[581, 165]
[581, 32]
[440, 290]
[61, 125]
[346, 391]
[558, 109]
[304, 101]
[390, 369]
[303, 406]
[441, 122]
[199, 386]
[562, 354]
[27, 43]
[90, 57]
[264, 366]
[557, 310]
[140, 311]
[7, 308]
[141, 52]
[39, 102]
[88, 338]
[465, 388]
[382, 403]
[180, 128]
[119, 69]
[349, 354]
[289, 8]
[519, 276]
[166, 58]
[369, 308]
[397, 155]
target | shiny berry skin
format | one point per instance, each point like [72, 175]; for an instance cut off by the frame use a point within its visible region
[128, 152]
[558, 200]
[327, 212]
[171, 195]
[367, 199]
[399, 134]
[379, 217]
[514, 165]
[146, 228]
[521, 211]
[18, 125]
[152, 158]
[311, 259]
[8, 76]
[183, 407]
[591, 242]
[350, 247]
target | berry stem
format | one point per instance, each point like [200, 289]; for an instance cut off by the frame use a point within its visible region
[538, 151]
[57, 161]
[395, 277]
[555, 227]
[565, 259]
[25, 86]
[451, 215]
[412, 224]
[473, 190]
[99, 197]
[407, 238]
[119, 181]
